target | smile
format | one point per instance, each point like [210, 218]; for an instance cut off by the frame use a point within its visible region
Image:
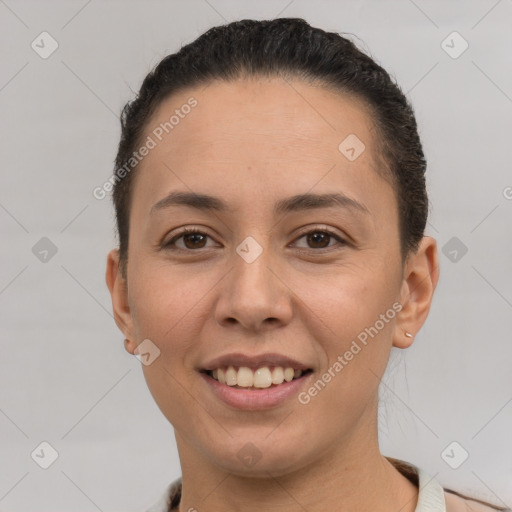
[259, 378]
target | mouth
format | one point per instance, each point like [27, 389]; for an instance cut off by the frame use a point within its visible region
[262, 377]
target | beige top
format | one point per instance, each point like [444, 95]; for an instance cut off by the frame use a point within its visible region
[431, 496]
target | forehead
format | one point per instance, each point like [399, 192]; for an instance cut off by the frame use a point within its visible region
[254, 110]
[259, 134]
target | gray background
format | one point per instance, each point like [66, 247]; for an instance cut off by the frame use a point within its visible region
[64, 375]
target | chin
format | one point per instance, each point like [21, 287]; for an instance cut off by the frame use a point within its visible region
[258, 455]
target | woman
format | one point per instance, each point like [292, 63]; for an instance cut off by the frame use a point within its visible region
[271, 205]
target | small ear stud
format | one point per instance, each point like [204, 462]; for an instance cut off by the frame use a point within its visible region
[408, 334]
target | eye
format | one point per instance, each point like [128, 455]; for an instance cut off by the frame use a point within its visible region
[192, 239]
[195, 239]
[320, 238]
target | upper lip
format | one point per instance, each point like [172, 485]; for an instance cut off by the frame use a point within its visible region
[254, 362]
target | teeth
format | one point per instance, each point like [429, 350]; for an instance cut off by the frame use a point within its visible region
[277, 375]
[263, 377]
[288, 374]
[244, 377]
[231, 376]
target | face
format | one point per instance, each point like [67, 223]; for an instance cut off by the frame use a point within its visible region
[293, 261]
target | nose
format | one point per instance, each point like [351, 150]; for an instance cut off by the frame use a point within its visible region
[254, 295]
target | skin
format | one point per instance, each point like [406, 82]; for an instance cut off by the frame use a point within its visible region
[251, 143]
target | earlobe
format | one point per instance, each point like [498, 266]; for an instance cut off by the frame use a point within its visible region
[119, 295]
[421, 275]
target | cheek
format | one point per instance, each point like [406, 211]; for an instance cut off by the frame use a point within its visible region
[174, 306]
[351, 318]
[161, 295]
[169, 308]
[347, 299]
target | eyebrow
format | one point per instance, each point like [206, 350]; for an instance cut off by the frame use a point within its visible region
[295, 203]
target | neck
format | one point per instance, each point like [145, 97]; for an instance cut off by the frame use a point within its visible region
[344, 479]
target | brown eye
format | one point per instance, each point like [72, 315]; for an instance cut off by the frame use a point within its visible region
[192, 239]
[320, 239]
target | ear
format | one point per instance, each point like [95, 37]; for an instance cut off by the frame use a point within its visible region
[120, 304]
[421, 274]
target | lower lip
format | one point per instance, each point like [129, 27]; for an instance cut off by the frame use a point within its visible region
[255, 399]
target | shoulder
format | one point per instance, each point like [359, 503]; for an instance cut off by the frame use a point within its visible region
[432, 496]
[456, 502]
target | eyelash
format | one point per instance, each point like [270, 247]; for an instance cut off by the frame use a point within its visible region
[170, 244]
